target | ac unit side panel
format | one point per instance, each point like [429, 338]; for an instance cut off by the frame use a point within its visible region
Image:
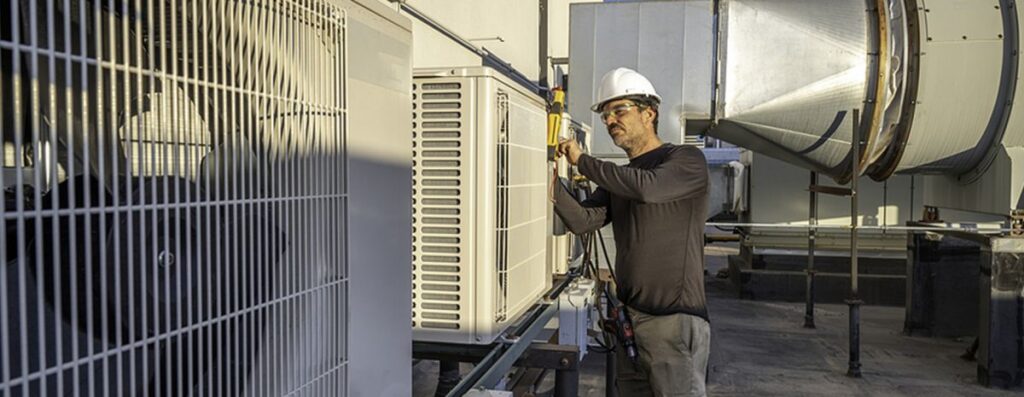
[528, 220]
[443, 249]
[513, 167]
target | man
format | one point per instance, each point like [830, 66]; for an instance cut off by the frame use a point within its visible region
[657, 206]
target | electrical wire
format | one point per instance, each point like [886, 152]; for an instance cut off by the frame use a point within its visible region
[554, 178]
[606, 344]
[607, 261]
[589, 241]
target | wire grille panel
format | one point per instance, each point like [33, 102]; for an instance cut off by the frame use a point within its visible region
[175, 198]
[501, 209]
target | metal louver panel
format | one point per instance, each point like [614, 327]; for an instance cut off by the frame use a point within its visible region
[175, 198]
[441, 203]
[694, 140]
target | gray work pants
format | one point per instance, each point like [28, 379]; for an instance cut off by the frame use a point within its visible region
[673, 356]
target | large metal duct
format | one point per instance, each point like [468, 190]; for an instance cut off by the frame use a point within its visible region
[934, 83]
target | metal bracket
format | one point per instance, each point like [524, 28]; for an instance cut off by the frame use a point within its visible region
[832, 190]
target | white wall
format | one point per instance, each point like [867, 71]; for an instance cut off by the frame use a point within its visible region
[480, 22]
[517, 22]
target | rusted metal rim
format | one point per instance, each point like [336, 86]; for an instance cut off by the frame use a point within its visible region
[890, 159]
[875, 78]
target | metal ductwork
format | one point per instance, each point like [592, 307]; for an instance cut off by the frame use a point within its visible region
[934, 83]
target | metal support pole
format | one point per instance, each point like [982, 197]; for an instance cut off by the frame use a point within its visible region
[447, 377]
[567, 382]
[854, 368]
[610, 367]
[854, 302]
[811, 221]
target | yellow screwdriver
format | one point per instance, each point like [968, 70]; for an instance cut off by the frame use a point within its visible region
[555, 121]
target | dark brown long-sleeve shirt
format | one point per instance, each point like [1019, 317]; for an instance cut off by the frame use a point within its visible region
[657, 205]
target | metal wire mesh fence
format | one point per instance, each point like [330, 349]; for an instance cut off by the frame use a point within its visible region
[174, 198]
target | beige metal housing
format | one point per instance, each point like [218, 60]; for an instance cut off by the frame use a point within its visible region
[380, 158]
[480, 214]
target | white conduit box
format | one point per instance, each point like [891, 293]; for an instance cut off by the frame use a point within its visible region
[480, 216]
[575, 306]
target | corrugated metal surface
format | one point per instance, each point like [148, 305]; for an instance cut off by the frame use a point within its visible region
[175, 198]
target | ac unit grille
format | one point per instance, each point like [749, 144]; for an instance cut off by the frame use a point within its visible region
[438, 200]
[501, 215]
[175, 198]
[694, 140]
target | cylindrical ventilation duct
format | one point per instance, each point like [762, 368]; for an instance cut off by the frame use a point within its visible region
[934, 83]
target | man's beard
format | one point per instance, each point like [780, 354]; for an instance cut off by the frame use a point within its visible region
[624, 140]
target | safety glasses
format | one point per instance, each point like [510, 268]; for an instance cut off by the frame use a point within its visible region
[617, 111]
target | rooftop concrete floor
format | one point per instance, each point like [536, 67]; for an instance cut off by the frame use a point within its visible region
[761, 348]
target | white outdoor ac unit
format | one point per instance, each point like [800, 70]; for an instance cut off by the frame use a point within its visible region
[563, 245]
[480, 221]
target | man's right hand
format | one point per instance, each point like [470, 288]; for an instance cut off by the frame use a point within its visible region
[571, 149]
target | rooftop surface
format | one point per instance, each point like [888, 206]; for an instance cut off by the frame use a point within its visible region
[761, 348]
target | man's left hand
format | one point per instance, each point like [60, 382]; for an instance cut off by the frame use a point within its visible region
[570, 149]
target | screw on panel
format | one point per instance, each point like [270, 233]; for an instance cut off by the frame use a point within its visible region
[165, 259]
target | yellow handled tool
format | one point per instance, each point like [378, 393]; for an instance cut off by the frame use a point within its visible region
[555, 121]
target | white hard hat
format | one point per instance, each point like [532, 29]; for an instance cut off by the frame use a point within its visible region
[623, 82]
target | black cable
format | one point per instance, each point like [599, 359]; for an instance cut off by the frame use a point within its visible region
[607, 260]
[610, 347]
[606, 338]
[588, 241]
[600, 349]
[600, 239]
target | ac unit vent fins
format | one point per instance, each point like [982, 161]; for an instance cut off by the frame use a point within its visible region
[438, 203]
